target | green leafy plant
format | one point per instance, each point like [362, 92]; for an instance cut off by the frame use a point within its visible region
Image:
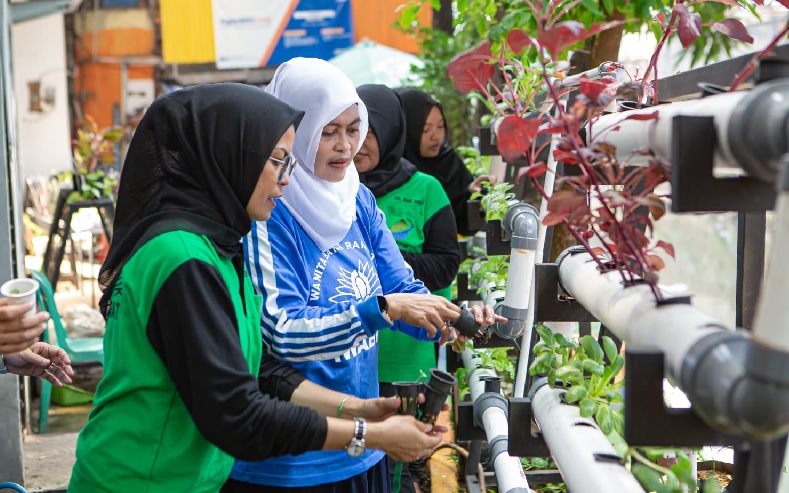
[498, 359]
[475, 162]
[496, 201]
[463, 388]
[582, 369]
[539, 463]
[486, 272]
[94, 154]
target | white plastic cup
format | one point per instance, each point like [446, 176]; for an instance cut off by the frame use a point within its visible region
[19, 291]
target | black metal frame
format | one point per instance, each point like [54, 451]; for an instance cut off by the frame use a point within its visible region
[497, 240]
[693, 144]
[694, 188]
[549, 306]
[685, 85]
[61, 229]
[643, 403]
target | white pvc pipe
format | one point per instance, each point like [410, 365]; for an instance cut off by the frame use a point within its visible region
[631, 312]
[519, 389]
[573, 441]
[567, 329]
[508, 469]
[490, 293]
[471, 362]
[629, 135]
[769, 326]
[519, 278]
[498, 168]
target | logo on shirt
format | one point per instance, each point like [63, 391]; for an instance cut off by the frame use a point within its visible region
[400, 229]
[356, 285]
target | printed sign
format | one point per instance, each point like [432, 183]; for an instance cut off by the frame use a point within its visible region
[257, 33]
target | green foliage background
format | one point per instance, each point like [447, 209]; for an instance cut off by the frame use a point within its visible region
[477, 20]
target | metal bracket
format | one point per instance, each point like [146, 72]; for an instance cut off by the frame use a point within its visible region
[474, 217]
[465, 429]
[464, 293]
[548, 306]
[497, 240]
[648, 422]
[694, 188]
[523, 441]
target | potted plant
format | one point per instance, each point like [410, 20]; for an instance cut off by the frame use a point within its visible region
[94, 160]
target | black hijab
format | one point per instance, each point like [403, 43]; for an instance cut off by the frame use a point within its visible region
[192, 165]
[447, 167]
[387, 121]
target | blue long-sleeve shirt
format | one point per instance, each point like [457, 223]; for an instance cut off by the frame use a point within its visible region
[320, 314]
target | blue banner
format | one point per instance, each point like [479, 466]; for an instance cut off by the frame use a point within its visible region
[317, 28]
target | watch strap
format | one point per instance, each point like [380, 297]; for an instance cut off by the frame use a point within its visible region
[3, 369]
[360, 428]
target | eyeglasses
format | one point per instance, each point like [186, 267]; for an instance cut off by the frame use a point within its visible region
[285, 166]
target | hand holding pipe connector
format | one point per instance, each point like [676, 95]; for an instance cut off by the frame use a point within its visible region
[474, 323]
[467, 325]
[436, 392]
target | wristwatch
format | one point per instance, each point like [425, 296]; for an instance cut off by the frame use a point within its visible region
[356, 447]
[3, 369]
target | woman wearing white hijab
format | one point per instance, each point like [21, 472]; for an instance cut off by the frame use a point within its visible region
[331, 277]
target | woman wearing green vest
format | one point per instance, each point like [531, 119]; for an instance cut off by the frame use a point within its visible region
[420, 217]
[185, 382]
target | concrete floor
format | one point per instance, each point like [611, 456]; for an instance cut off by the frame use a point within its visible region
[48, 458]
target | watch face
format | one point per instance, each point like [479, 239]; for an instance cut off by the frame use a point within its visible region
[355, 448]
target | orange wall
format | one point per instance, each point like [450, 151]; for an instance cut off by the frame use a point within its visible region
[132, 41]
[100, 83]
[374, 19]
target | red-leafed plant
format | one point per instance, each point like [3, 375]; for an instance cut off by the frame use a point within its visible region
[599, 202]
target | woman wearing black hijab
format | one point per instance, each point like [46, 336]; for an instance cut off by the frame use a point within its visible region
[428, 148]
[184, 374]
[420, 217]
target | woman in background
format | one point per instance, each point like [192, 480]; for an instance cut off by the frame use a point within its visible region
[428, 148]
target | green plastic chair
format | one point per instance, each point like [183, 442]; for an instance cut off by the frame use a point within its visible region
[89, 349]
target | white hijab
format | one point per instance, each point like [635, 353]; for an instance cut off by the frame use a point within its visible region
[324, 209]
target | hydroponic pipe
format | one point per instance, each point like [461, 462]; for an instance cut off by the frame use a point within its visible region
[522, 222]
[583, 454]
[519, 389]
[490, 413]
[750, 128]
[736, 385]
